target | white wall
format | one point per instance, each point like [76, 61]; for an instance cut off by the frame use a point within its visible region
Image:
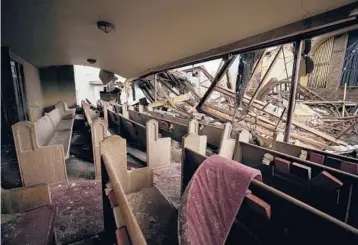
[84, 75]
[33, 88]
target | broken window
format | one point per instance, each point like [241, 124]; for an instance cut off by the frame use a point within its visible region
[17, 71]
[321, 59]
[350, 67]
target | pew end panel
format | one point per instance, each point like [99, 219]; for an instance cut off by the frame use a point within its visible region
[195, 142]
[227, 144]
[158, 149]
[98, 134]
[66, 113]
[114, 150]
[37, 164]
[123, 182]
[24, 199]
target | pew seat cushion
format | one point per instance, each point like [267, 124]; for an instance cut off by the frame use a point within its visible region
[65, 125]
[67, 116]
[62, 138]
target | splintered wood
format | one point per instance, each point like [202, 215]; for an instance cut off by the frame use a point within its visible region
[317, 123]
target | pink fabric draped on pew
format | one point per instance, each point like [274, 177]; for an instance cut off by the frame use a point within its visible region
[212, 200]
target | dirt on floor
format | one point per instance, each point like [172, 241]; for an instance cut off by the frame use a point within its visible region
[79, 169]
[80, 213]
[168, 178]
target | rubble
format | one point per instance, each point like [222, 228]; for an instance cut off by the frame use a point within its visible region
[317, 123]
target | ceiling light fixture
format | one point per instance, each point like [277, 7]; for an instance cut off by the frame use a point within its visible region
[91, 61]
[105, 26]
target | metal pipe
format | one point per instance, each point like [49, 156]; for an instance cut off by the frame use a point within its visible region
[273, 62]
[217, 79]
[155, 88]
[292, 101]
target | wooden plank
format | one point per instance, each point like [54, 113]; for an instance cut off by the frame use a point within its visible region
[174, 100]
[319, 133]
[24, 199]
[342, 132]
[216, 114]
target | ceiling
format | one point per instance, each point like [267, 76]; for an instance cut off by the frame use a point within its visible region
[148, 34]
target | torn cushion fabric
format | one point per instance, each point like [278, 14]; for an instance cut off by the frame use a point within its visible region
[212, 200]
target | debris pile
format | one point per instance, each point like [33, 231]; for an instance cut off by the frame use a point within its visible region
[317, 123]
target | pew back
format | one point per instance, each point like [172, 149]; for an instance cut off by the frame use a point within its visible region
[329, 159]
[334, 196]
[298, 221]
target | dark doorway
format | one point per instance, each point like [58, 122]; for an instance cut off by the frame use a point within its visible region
[18, 78]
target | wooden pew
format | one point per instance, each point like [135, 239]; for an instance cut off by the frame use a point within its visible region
[328, 189]
[43, 146]
[98, 130]
[291, 221]
[174, 127]
[144, 137]
[89, 114]
[168, 128]
[347, 164]
[213, 133]
[121, 210]
[36, 225]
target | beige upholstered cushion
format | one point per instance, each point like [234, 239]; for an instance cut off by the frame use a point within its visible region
[55, 117]
[44, 130]
[62, 138]
[64, 125]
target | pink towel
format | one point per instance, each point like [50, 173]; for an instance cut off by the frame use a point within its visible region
[212, 200]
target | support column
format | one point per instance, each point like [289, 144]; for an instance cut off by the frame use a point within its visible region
[292, 101]
[217, 79]
[155, 88]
